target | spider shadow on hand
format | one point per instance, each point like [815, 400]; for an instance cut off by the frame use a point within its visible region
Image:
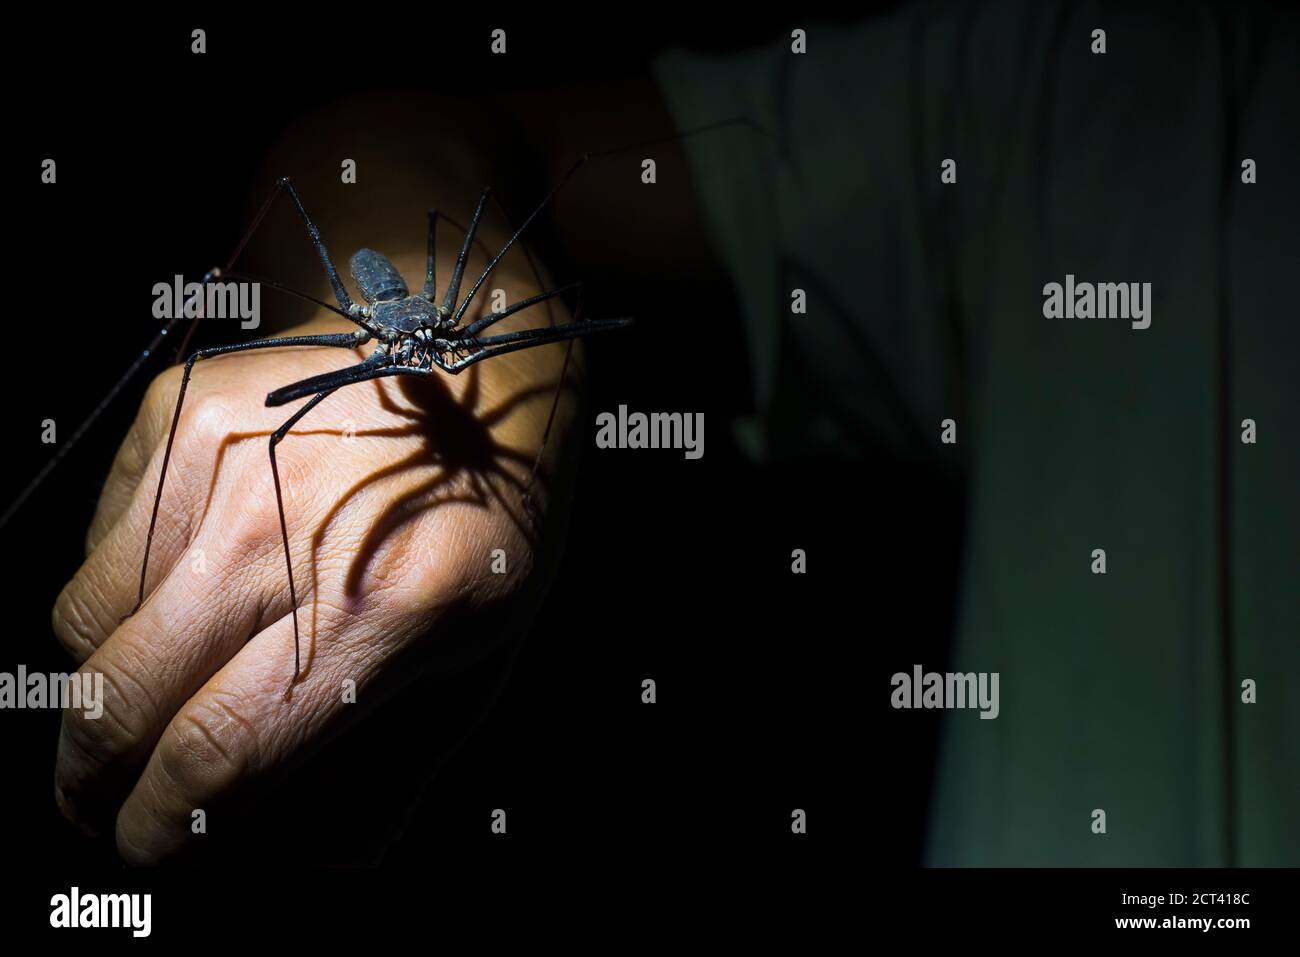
[473, 468]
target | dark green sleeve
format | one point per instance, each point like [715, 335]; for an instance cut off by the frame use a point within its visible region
[832, 187]
[1173, 449]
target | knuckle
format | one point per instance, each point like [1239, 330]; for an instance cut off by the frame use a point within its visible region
[202, 751]
[138, 447]
[206, 420]
[256, 523]
[135, 703]
[117, 730]
[94, 740]
[160, 396]
[95, 533]
[75, 623]
[259, 481]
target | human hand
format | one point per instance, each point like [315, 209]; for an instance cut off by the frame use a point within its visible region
[397, 494]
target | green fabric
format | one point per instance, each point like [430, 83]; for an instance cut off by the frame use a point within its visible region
[925, 302]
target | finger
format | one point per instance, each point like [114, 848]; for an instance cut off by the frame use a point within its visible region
[129, 466]
[201, 614]
[133, 456]
[150, 666]
[107, 586]
[239, 730]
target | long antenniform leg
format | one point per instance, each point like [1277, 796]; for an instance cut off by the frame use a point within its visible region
[346, 309]
[342, 339]
[276, 437]
[154, 344]
[550, 416]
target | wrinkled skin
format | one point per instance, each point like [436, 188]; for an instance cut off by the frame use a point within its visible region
[396, 495]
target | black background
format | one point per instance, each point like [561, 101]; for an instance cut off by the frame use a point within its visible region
[675, 570]
[771, 686]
